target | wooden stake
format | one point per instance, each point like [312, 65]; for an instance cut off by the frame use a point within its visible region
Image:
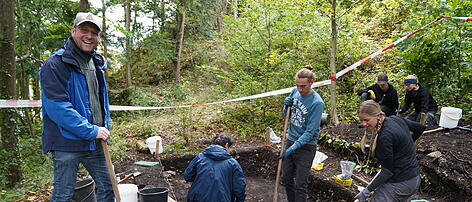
[360, 179]
[156, 154]
[111, 171]
[433, 130]
[279, 166]
[268, 136]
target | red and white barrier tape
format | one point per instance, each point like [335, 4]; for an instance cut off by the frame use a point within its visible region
[37, 103]
[459, 18]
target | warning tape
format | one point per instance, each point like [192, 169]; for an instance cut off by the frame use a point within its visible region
[459, 18]
[37, 103]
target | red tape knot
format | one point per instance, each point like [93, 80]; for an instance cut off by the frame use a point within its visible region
[333, 78]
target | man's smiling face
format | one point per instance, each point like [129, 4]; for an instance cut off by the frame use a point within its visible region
[86, 36]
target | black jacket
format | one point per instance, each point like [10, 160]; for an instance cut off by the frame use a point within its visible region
[422, 101]
[388, 99]
[395, 150]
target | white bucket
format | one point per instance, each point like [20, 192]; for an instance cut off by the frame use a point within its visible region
[151, 143]
[128, 192]
[450, 117]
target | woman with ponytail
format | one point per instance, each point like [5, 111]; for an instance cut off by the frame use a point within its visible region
[393, 146]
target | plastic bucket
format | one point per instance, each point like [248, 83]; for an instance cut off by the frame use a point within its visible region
[450, 117]
[157, 194]
[84, 191]
[128, 192]
[151, 143]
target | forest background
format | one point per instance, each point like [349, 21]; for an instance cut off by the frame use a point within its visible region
[201, 51]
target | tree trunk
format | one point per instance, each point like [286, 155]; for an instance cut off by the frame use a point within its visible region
[128, 41]
[104, 30]
[84, 6]
[11, 166]
[163, 16]
[235, 8]
[221, 6]
[332, 64]
[180, 37]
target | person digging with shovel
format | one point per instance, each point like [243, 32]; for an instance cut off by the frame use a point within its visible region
[393, 147]
[300, 147]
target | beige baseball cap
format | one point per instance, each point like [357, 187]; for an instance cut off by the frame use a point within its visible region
[382, 78]
[82, 17]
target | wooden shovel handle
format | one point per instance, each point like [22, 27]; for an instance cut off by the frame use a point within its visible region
[111, 172]
[279, 166]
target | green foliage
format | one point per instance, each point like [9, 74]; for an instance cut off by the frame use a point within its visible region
[367, 166]
[440, 55]
[250, 119]
[36, 168]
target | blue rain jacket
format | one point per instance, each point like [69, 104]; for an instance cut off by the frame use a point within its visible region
[216, 177]
[67, 117]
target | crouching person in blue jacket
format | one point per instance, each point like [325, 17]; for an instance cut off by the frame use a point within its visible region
[215, 174]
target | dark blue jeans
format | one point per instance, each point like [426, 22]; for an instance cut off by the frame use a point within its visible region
[66, 165]
[295, 171]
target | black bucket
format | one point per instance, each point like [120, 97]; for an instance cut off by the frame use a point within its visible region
[157, 194]
[84, 191]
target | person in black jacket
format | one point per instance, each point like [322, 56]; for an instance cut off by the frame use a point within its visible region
[423, 102]
[393, 146]
[383, 93]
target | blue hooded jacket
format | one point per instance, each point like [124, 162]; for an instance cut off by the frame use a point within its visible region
[67, 117]
[216, 177]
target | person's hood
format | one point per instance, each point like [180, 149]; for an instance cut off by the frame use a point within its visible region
[217, 153]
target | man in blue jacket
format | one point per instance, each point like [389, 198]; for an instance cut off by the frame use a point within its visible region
[215, 174]
[75, 110]
[307, 107]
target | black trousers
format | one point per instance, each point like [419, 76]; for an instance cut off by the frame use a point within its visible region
[295, 171]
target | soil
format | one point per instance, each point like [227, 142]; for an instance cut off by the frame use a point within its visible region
[445, 176]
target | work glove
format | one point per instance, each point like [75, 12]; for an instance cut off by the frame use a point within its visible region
[362, 196]
[287, 153]
[423, 117]
[371, 94]
[288, 101]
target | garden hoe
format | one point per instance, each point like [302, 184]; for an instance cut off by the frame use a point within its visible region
[279, 166]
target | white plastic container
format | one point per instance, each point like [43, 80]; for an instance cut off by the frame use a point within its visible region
[151, 143]
[128, 192]
[450, 117]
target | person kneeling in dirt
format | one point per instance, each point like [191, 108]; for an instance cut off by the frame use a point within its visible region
[383, 93]
[423, 102]
[300, 147]
[393, 146]
[215, 174]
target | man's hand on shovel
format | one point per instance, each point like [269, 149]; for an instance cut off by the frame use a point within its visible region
[103, 133]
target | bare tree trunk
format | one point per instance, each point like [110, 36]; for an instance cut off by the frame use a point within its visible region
[9, 143]
[162, 15]
[104, 30]
[332, 65]
[221, 6]
[84, 6]
[235, 8]
[128, 41]
[180, 36]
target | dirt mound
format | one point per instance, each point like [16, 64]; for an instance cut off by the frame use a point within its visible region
[445, 161]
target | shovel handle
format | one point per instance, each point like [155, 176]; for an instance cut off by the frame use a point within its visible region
[111, 172]
[279, 166]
